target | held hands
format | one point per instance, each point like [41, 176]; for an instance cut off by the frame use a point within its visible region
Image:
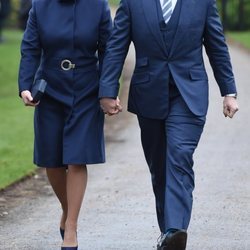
[27, 98]
[230, 106]
[110, 106]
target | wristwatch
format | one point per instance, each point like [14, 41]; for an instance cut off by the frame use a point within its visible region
[232, 95]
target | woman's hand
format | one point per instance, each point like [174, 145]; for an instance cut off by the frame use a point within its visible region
[118, 105]
[27, 98]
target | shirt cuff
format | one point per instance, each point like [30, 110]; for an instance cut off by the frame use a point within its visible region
[232, 95]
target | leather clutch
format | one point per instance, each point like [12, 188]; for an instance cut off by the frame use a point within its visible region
[38, 89]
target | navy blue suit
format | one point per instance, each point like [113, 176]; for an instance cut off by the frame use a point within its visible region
[169, 90]
[68, 120]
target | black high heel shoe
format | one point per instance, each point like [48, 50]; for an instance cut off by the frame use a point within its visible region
[62, 231]
[69, 248]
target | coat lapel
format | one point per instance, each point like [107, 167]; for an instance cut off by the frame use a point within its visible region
[150, 13]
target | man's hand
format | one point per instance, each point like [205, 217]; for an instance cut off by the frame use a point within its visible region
[110, 106]
[27, 98]
[230, 106]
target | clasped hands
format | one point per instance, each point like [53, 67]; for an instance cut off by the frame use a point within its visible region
[110, 106]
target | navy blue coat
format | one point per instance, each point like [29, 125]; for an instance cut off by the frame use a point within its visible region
[49, 39]
[198, 25]
[68, 120]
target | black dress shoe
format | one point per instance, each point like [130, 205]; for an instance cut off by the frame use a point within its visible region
[173, 241]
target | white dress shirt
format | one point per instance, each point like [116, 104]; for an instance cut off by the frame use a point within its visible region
[173, 3]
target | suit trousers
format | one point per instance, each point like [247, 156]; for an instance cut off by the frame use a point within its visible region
[168, 146]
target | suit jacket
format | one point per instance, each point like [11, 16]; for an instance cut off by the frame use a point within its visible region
[64, 29]
[198, 25]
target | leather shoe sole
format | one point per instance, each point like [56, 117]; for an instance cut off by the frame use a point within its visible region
[177, 241]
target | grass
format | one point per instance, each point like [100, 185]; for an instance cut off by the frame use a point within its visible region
[241, 37]
[114, 2]
[16, 128]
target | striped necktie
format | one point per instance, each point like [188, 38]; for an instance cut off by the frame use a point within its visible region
[167, 10]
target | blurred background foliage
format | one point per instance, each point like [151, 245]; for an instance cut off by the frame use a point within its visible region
[114, 2]
[235, 13]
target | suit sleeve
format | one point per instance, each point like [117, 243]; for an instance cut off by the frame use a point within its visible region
[217, 51]
[116, 52]
[30, 53]
[104, 32]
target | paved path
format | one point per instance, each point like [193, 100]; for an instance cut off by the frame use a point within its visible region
[118, 210]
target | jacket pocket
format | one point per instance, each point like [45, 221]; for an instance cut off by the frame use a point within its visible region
[198, 74]
[139, 78]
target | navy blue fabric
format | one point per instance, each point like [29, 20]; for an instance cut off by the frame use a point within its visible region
[198, 25]
[68, 121]
[169, 90]
[168, 146]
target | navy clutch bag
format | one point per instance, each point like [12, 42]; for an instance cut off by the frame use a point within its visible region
[38, 89]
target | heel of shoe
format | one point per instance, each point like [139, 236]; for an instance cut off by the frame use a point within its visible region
[62, 231]
[69, 248]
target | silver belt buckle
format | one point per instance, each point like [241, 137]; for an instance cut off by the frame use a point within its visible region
[67, 65]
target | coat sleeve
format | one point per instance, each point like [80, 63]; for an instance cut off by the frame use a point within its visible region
[30, 52]
[116, 52]
[217, 51]
[104, 32]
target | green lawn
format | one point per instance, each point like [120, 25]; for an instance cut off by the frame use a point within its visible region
[16, 128]
[114, 2]
[241, 37]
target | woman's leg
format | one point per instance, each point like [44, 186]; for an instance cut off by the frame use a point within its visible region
[76, 185]
[57, 179]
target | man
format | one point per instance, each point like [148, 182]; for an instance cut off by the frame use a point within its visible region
[169, 94]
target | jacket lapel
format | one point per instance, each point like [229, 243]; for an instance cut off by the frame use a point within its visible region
[150, 13]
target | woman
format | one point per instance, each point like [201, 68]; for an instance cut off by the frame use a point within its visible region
[64, 43]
